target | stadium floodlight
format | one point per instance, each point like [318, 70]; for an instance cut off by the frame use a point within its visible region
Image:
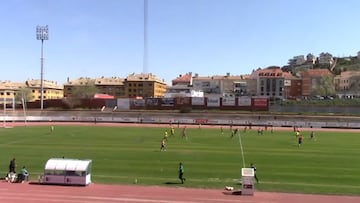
[42, 33]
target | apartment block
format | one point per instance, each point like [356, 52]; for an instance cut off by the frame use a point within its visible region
[271, 82]
[30, 90]
[144, 85]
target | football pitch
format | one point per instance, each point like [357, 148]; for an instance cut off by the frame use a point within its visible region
[128, 155]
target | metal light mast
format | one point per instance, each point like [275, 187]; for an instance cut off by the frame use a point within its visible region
[145, 57]
[42, 33]
[145, 37]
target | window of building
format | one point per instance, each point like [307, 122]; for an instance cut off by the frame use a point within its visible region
[206, 84]
[268, 85]
[273, 88]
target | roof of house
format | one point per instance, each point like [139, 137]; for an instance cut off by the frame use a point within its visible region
[109, 81]
[46, 84]
[8, 85]
[81, 81]
[223, 77]
[271, 72]
[183, 78]
[349, 73]
[144, 77]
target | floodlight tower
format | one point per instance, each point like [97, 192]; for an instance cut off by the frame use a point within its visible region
[145, 57]
[42, 33]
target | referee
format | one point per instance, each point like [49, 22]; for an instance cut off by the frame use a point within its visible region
[252, 165]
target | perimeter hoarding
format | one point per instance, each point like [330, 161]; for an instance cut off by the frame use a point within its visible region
[260, 103]
[168, 102]
[228, 101]
[198, 101]
[137, 103]
[244, 101]
[213, 102]
[153, 103]
[123, 104]
[183, 103]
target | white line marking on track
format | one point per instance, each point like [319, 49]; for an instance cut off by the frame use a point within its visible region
[80, 199]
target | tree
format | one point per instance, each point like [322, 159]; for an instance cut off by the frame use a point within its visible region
[84, 91]
[23, 93]
[324, 86]
[354, 84]
[80, 92]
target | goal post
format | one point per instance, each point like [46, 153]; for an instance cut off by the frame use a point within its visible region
[11, 101]
[23, 102]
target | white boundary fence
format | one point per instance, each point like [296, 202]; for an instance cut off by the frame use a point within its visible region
[189, 120]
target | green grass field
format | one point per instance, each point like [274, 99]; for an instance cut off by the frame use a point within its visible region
[329, 165]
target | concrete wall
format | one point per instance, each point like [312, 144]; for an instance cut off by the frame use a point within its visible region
[205, 118]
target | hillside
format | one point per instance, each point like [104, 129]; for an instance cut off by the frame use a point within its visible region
[341, 64]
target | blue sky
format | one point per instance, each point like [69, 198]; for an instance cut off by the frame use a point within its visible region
[94, 38]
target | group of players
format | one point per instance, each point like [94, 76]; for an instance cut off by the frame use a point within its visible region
[172, 133]
[300, 136]
[163, 148]
[234, 131]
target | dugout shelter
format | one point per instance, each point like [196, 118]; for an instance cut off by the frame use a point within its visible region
[67, 172]
[247, 181]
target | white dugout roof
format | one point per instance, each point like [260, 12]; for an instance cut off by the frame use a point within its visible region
[67, 164]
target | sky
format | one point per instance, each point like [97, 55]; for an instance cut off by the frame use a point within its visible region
[95, 38]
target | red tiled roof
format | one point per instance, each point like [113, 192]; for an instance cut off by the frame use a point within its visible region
[272, 72]
[183, 78]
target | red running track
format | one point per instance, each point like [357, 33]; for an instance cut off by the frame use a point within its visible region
[27, 192]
